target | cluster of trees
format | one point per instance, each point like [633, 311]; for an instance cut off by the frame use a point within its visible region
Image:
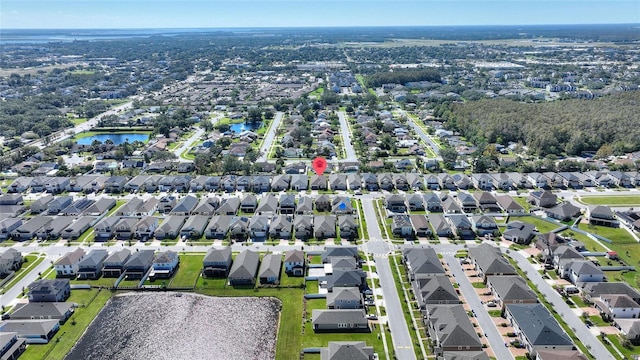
[40, 114]
[561, 127]
[402, 77]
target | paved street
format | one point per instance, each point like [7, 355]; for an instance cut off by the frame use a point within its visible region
[346, 138]
[582, 332]
[9, 298]
[188, 144]
[269, 137]
[423, 135]
[484, 320]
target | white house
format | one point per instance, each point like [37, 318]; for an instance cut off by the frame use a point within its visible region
[618, 306]
[294, 262]
[67, 266]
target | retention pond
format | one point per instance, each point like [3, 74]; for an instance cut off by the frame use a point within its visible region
[181, 326]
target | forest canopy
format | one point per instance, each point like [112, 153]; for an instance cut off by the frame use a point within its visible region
[402, 77]
[560, 127]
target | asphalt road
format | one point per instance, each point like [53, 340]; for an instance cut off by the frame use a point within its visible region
[570, 318]
[271, 135]
[484, 320]
[188, 144]
[346, 138]
[423, 135]
[9, 298]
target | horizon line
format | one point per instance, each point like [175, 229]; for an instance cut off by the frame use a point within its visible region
[324, 27]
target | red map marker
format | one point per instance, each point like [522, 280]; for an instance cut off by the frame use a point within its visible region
[319, 165]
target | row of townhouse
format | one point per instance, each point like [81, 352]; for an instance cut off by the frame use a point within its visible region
[456, 203]
[334, 181]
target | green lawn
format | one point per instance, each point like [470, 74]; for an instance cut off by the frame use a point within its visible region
[589, 243]
[31, 261]
[523, 202]
[542, 225]
[624, 200]
[103, 281]
[617, 235]
[188, 272]
[628, 353]
[94, 300]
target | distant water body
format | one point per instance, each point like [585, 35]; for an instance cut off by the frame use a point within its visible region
[189, 326]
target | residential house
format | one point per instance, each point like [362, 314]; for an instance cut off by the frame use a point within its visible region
[421, 261]
[582, 271]
[401, 226]
[303, 226]
[324, 226]
[7, 226]
[268, 206]
[486, 201]
[60, 311]
[421, 226]
[31, 331]
[565, 254]
[198, 183]
[59, 203]
[164, 265]
[27, 230]
[138, 264]
[483, 181]
[113, 265]
[543, 198]
[337, 182]
[318, 182]
[294, 262]
[450, 329]
[185, 206]
[299, 182]
[217, 262]
[462, 226]
[400, 182]
[488, 260]
[508, 205]
[415, 202]
[10, 261]
[354, 181]
[395, 203]
[440, 225]
[259, 227]
[370, 181]
[228, 206]
[462, 181]
[115, 184]
[125, 228]
[348, 226]
[536, 328]
[287, 204]
[563, 212]
[145, 228]
[194, 227]
[432, 202]
[450, 206]
[630, 329]
[618, 306]
[46, 290]
[485, 225]
[305, 206]
[249, 203]
[68, 264]
[239, 228]
[339, 320]
[345, 298]
[569, 180]
[323, 203]
[90, 267]
[432, 181]
[270, 266]
[280, 182]
[170, 227]
[602, 216]
[593, 290]
[538, 180]
[20, 185]
[343, 277]
[40, 205]
[105, 229]
[519, 232]
[503, 181]
[54, 229]
[547, 244]
[341, 205]
[434, 289]
[244, 268]
[511, 289]
[100, 207]
[207, 206]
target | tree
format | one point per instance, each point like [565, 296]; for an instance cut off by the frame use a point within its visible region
[254, 116]
[449, 156]
[604, 152]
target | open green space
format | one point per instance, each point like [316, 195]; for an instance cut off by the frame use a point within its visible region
[542, 225]
[588, 242]
[188, 271]
[617, 235]
[616, 200]
[522, 201]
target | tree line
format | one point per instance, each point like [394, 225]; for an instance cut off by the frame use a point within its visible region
[561, 127]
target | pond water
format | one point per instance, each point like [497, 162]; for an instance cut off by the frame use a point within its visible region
[117, 138]
[189, 326]
[238, 128]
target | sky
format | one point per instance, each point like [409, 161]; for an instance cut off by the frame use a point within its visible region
[100, 14]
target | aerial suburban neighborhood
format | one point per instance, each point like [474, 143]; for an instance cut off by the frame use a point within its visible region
[432, 233]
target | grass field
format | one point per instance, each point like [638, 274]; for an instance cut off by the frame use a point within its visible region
[615, 200]
[188, 272]
[542, 225]
[617, 235]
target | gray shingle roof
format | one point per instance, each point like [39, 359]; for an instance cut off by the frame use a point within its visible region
[538, 325]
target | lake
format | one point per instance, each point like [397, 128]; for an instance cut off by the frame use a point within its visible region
[238, 128]
[117, 138]
[170, 325]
